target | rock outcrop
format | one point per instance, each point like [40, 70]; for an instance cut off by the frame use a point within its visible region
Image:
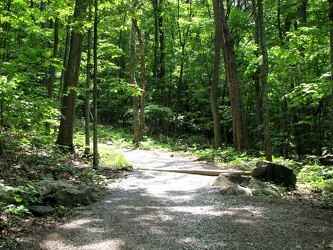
[62, 193]
[275, 173]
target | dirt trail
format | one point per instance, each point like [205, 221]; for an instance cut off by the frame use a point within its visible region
[163, 210]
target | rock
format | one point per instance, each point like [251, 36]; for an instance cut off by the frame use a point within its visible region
[62, 193]
[237, 190]
[263, 188]
[41, 210]
[71, 196]
[225, 180]
[276, 173]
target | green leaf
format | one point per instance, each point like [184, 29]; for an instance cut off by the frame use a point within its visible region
[18, 199]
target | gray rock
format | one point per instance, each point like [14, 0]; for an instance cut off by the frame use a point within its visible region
[71, 196]
[62, 193]
[237, 190]
[41, 210]
[276, 173]
[225, 180]
[263, 188]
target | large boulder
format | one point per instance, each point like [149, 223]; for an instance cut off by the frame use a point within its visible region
[62, 193]
[275, 173]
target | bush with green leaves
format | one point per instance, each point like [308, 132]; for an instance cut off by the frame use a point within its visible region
[16, 199]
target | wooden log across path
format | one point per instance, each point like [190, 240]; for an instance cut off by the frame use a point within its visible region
[209, 172]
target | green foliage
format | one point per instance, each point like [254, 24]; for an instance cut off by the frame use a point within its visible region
[317, 177]
[112, 159]
[16, 199]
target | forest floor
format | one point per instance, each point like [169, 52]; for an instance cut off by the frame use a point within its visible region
[165, 210]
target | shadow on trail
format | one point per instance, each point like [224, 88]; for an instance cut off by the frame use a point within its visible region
[152, 210]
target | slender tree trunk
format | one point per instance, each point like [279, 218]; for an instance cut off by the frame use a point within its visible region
[179, 88]
[45, 44]
[279, 21]
[88, 90]
[122, 44]
[143, 82]
[156, 39]
[302, 15]
[182, 42]
[256, 79]
[65, 62]
[330, 15]
[55, 55]
[66, 130]
[216, 76]
[95, 139]
[3, 44]
[161, 72]
[234, 85]
[136, 119]
[264, 76]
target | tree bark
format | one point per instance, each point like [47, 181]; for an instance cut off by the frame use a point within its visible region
[216, 76]
[161, 71]
[230, 65]
[139, 96]
[264, 76]
[95, 139]
[143, 81]
[256, 78]
[66, 130]
[136, 120]
[54, 56]
[330, 16]
[88, 90]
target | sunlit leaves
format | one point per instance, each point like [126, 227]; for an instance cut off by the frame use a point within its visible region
[309, 94]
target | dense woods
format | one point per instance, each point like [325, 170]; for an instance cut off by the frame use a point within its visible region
[255, 75]
[229, 81]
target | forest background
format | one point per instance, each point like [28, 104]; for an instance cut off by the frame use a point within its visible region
[177, 39]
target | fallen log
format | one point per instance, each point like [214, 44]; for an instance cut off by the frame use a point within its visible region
[209, 172]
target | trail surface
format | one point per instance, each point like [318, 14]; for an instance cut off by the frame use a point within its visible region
[161, 210]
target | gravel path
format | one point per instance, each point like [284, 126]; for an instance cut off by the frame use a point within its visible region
[156, 210]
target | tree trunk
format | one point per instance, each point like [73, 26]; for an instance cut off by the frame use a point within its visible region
[256, 79]
[136, 119]
[141, 108]
[279, 22]
[230, 65]
[95, 140]
[65, 62]
[88, 90]
[264, 76]
[216, 76]
[161, 71]
[54, 56]
[66, 130]
[330, 15]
